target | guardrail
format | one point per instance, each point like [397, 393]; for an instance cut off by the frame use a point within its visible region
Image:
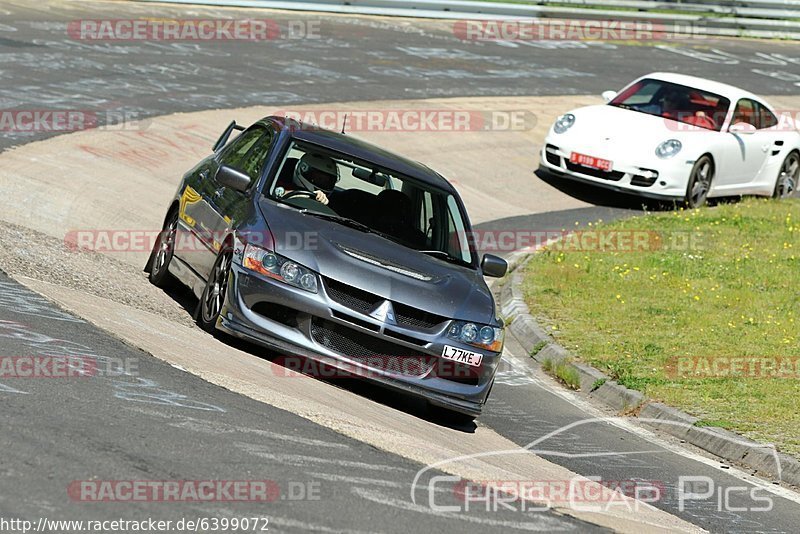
[739, 18]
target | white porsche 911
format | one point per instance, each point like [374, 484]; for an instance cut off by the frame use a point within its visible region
[679, 138]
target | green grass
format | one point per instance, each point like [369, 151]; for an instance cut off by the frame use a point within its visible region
[733, 292]
[565, 373]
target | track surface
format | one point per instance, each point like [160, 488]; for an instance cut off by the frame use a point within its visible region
[60, 429]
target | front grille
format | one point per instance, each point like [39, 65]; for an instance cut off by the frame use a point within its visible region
[353, 298]
[614, 176]
[369, 350]
[642, 181]
[365, 302]
[552, 159]
[409, 316]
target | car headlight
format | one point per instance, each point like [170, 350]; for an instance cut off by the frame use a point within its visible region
[482, 336]
[564, 123]
[669, 149]
[275, 266]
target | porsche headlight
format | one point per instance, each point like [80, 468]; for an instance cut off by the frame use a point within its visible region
[564, 123]
[275, 266]
[482, 336]
[669, 149]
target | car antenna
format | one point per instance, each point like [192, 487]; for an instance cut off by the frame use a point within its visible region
[344, 123]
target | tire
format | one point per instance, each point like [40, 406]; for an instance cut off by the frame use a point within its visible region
[699, 183]
[163, 251]
[786, 183]
[213, 298]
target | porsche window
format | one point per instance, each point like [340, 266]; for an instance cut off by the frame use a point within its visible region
[676, 102]
[754, 113]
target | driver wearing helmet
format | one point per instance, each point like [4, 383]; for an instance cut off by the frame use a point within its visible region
[315, 173]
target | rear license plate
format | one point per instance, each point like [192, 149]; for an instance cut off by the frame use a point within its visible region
[462, 356]
[591, 161]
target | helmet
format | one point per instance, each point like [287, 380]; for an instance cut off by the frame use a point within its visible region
[316, 171]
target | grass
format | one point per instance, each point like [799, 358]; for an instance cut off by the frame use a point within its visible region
[564, 372]
[723, 283]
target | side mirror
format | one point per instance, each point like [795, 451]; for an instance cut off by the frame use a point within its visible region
[493, 266]
[608, 96]
[223, 139]
[743, 128]
[233, 178]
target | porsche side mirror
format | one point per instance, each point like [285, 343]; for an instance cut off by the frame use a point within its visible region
[608, 96]
[494, 266]
[742, 128]
[233, 178]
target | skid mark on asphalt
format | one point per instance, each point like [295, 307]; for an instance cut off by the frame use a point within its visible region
[149, 392]
[21, 300]
[543, 523]
[216, 428]
[303, 461]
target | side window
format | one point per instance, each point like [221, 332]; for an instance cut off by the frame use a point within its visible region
[249, 151]
[457, 242]
[745, 112]
[425, 212]
[767, 119]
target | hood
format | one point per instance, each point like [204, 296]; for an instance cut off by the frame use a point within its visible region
[617, 132]
[379, 266]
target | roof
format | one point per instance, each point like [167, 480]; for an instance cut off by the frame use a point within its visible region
[729, 91]
[362, 150]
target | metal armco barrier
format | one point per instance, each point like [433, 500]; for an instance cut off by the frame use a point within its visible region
[739, 18]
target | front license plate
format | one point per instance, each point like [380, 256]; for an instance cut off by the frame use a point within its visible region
[462, 356]
[591, 161]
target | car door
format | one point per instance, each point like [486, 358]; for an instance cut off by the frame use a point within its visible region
[217, 208]
[746, 147]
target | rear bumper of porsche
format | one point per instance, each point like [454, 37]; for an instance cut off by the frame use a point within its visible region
[336, 334]
[661, 180]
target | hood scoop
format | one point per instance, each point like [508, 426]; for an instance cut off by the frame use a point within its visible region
[385, 264]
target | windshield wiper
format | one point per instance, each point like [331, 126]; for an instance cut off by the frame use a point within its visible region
[442, 255]
[341, 220]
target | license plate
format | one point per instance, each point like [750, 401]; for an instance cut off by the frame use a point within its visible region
[462, 356]
[591, 161]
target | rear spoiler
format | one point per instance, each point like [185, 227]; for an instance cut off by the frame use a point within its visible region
[223, 139]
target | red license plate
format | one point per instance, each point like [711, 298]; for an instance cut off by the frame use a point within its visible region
[591, 161]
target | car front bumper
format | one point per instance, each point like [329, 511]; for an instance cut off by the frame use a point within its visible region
[314, 326]
[657, 179]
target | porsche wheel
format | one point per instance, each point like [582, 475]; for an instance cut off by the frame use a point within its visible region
[786, 184]
[699, 182]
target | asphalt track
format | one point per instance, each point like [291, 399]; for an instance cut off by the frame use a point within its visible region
[52, 431]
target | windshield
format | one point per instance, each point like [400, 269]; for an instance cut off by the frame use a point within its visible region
[343, 189]
[676, 102]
